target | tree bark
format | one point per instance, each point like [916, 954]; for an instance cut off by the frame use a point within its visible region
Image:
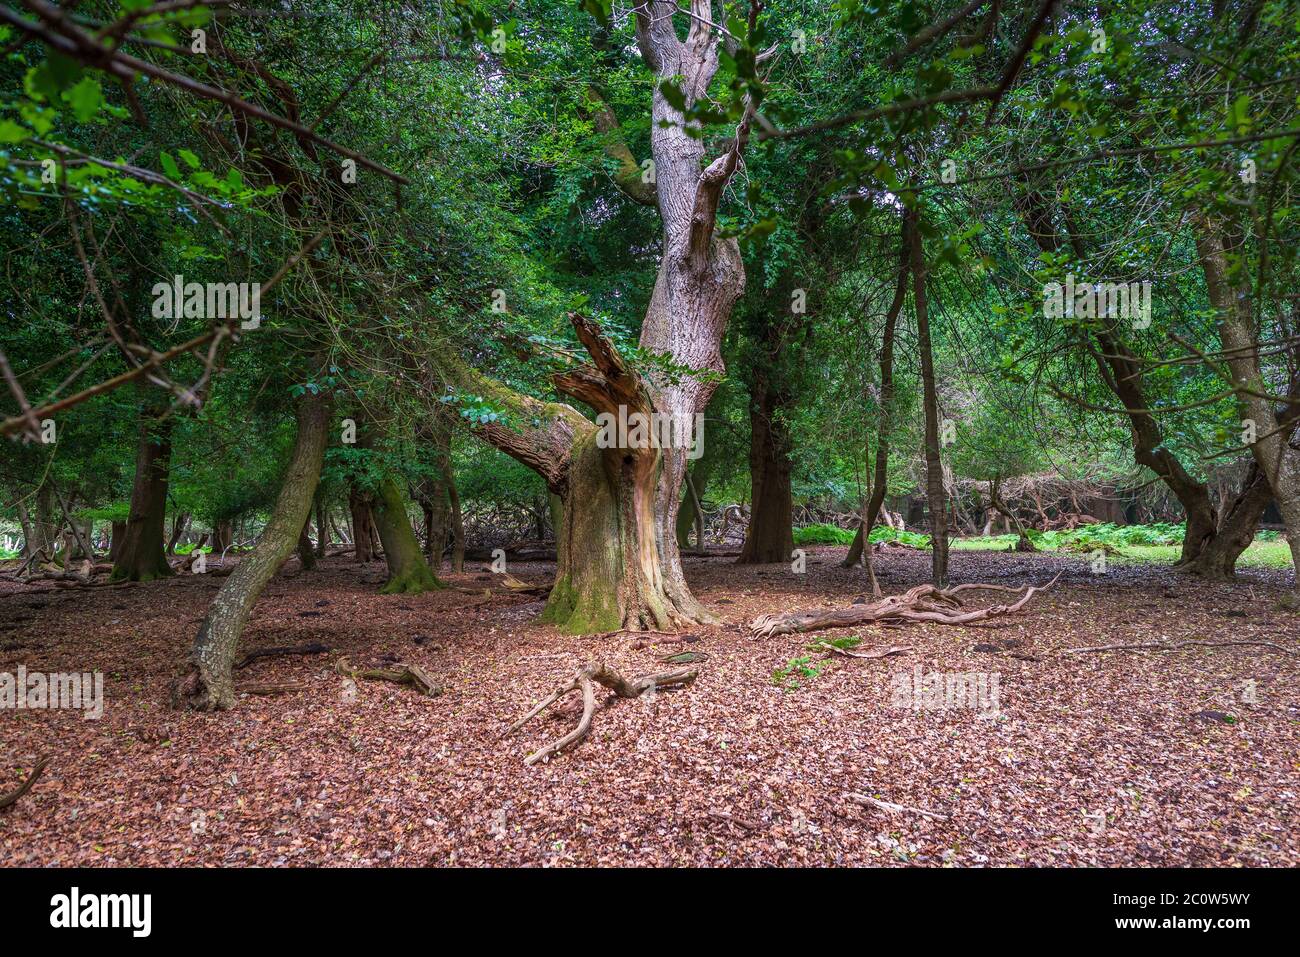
[322, 524]
[1237, 527]
[770, 535]
[306, 553]
[359, 505]
[180, 523]
[143, 556]
[408, 572]
[935, 493]
[208, 684]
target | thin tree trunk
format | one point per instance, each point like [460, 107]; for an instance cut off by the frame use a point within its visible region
[933, 462]
[885, 420]
[362, 541]
[208, 684]
[143, 556]
[179, 524]
[322, 525]
[306, 553]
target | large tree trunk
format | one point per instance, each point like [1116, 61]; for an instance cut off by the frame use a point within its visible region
[408, 573]
[208, 684]
[306, 554]
[117, 535]
[143, 556]
[1277, 458]
[619, 561]
[935, 494]
[770, 536]
[223, 536]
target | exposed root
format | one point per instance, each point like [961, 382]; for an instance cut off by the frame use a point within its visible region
[922, 603]
[287, 687]
[312, 648]
[13, 796]
[585, 681]
[402, 674]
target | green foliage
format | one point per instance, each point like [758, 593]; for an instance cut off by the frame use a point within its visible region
[790, 676]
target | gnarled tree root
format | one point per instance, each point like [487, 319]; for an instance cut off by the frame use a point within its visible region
[585, 681]
[402, 674]
[13, 796]
[922, 603]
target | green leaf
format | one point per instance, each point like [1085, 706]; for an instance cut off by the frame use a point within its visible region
[11, 132]
[169, 165]
[85, 99]
[190, 159]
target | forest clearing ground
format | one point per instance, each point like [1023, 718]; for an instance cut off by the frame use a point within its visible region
[733, 770]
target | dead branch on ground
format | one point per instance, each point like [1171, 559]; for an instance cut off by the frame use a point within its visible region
[922, 603]
[13, 796]
[585, 681]
[402, 674]
[311, 648]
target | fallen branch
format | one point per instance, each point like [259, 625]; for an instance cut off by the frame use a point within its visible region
[13, 796]
[312, 648]
[402, 674]
[1164, 646]
[922, 603]
[285, 687]
[585, 681]
[893, 808]
[884, 652]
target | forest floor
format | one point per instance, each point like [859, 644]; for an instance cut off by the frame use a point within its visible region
[1185, 757]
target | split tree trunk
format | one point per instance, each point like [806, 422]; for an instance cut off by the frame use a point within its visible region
[1218, 559]
[143, 555]
[208, 684]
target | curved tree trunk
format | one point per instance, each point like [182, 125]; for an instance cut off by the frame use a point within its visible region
[208, 684]
[1273, 452]
[143, 556]
[408, 573]
[1218, 559]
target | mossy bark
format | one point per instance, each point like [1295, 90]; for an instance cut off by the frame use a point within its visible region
[408, 573]
[208, 685]
[143, 554]
[614, 566]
